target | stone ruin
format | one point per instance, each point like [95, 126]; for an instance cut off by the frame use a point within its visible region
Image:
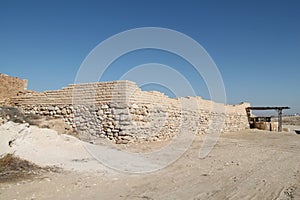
[121, 112]
[11, 87]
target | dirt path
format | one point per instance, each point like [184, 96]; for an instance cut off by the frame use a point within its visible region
[245, 165]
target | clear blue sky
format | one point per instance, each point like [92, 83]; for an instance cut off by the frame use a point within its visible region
[255, 44]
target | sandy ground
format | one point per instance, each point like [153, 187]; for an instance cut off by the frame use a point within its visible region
[250, 164]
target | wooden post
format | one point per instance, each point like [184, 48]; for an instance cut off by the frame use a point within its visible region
[279, 120]
[248, 111]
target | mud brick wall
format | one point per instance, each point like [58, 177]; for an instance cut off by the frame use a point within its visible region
[122, 112]
[10, 87]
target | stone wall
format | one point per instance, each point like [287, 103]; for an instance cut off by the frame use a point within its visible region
[268, 126]
[122, 112]
[10, 87]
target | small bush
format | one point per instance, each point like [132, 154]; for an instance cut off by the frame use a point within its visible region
[13, 168]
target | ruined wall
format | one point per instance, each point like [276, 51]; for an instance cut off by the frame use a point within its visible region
[268, 126]
[122, 112]
[10, 87]
[154, 113]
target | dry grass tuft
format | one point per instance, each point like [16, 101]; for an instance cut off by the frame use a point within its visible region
[13, 168]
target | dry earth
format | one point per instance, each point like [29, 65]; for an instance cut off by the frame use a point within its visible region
[249, 164]
[291, 120]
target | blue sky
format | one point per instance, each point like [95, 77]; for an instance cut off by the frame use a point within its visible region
[255, 44]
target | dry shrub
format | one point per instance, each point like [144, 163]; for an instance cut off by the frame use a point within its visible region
[13, 168]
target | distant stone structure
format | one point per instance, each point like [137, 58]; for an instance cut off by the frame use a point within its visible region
[122, 112]
[11, 87]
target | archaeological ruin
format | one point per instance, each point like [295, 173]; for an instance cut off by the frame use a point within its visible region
[120, 111]
[11, 87]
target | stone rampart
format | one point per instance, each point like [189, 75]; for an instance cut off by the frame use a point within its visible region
[122, 112]
[10, 87]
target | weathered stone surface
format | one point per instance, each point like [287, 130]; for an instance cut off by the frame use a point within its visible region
[123, 113]
[11, 87]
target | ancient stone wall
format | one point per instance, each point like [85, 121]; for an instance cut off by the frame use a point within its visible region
[10, 87]
[122, 112]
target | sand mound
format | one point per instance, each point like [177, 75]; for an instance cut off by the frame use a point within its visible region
[46, 148]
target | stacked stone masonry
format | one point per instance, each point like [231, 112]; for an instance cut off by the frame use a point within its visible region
[122, 112]
[10, 87]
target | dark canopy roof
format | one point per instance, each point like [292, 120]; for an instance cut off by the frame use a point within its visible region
[267, 108]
